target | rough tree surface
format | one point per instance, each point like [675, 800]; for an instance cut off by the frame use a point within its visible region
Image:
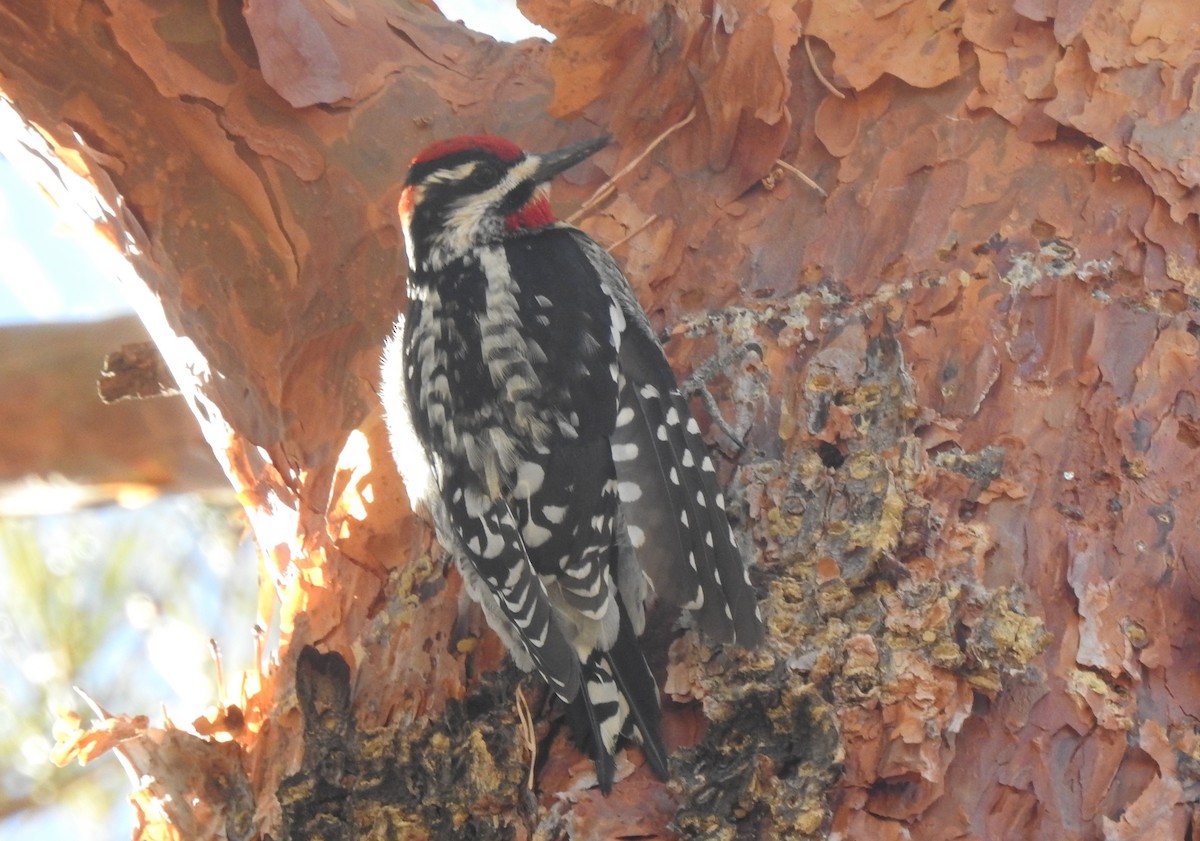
[965, 380]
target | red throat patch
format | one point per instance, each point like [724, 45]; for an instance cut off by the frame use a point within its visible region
[535, 213]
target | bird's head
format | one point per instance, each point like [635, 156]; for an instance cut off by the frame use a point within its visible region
[468, 191]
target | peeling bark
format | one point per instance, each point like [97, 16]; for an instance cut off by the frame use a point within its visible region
[964, 383]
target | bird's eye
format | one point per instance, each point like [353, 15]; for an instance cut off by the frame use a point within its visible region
[484, 175]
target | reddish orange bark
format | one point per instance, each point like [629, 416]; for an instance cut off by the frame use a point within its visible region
[964, 379]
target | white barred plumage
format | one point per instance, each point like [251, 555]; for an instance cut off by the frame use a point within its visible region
[534, 415]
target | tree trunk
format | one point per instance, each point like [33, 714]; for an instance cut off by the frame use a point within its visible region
[963, 376]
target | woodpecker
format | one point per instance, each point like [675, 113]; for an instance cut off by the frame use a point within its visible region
[533, 414]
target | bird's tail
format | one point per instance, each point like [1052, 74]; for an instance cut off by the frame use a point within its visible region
[618, 697]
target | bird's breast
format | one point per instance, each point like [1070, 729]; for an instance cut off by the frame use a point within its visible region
[474, 373]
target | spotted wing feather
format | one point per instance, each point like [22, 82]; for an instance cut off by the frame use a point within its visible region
[491, 543]
[679, 518]
[570, 523]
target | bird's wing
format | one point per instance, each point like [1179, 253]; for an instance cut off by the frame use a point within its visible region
[670, 496]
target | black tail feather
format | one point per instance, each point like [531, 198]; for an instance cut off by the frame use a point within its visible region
[623, 669]
[585, 727]
[636, 683]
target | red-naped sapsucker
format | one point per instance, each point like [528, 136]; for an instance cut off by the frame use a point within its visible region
[533, 413]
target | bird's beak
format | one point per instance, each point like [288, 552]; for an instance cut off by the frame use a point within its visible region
[551, 164]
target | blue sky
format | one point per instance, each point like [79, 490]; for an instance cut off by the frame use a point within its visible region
[498, 18]
[45, 274]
